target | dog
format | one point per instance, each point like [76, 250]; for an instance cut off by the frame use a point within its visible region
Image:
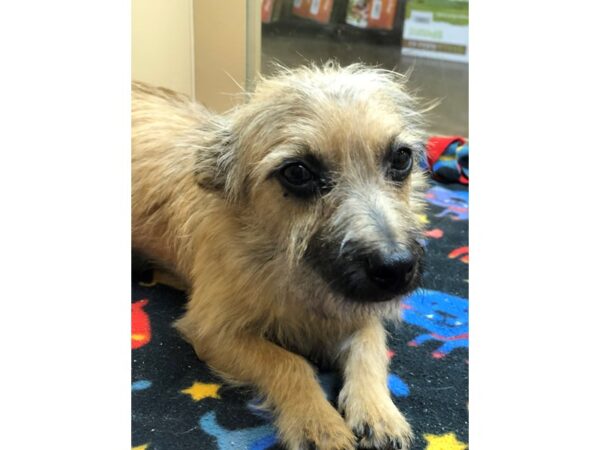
[293, 221]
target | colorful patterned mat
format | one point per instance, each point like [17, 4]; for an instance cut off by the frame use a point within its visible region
[177, 404]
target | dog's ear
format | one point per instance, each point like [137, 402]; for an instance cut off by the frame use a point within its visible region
[215, 166]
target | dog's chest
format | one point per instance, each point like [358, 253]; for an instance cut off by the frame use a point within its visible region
[317, 338]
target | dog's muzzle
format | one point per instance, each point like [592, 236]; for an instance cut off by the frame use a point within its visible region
[392, 271]
[370, 276]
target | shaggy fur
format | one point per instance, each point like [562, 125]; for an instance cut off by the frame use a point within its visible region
[207, 205]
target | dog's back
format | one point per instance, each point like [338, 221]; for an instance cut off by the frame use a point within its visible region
[162, 176]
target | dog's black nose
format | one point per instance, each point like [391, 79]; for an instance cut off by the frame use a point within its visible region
[391, 271]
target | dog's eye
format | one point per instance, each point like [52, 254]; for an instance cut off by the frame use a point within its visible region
[297, 174]
[400, 163]
[298, 179]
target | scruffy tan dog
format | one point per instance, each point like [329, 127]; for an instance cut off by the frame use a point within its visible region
[293, 220]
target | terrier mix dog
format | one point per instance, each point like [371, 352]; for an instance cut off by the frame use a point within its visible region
[293, 220]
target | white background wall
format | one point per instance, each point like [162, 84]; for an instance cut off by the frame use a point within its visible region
[162, 43]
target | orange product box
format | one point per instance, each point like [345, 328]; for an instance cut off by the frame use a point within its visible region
[266, 11]
[382, 14]
[270, 10]
[318, 10]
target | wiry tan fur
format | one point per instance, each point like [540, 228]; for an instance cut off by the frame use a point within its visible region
[205, 206]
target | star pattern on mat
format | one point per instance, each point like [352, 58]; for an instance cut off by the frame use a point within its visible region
[446, 441]
[423, 218]
[198, 390]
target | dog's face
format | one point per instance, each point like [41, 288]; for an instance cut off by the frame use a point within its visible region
[324, 166]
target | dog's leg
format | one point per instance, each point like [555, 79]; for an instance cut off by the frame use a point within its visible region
[365, 398]
[305, 419]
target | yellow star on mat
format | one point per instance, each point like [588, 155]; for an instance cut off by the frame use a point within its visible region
[198, 391]
[423, 218]
[446, 441]
[140, 447]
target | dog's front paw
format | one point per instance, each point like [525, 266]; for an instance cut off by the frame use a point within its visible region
[324, 430]
[377, 424]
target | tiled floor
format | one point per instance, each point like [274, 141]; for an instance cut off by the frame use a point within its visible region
[431, 79]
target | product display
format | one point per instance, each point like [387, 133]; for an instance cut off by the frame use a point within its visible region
[372, 21]
[437, 29]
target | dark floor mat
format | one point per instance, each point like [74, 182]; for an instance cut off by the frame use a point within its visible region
[177, 404]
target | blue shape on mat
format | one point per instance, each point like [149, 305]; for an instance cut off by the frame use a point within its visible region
[397, 386]
[140, 385]
[264, 443]
[255, 438]
[445, 316]
[455, 203]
